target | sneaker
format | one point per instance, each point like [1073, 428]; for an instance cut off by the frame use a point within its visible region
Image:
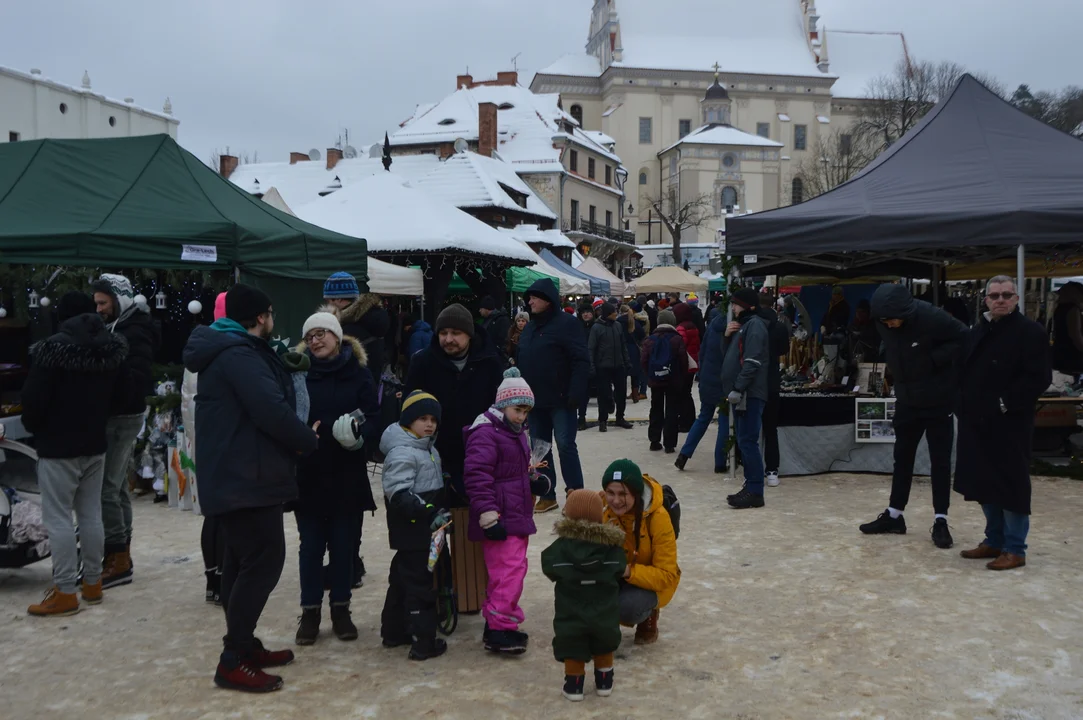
[884, 523]
[743, 500]
[55, 604]
[603, 426]
[92, 594]
[427, 648]
[308, 626]
[941, 534]
[261, 657]
[655, 447]
[624, 424]
[341, 625]
[680, 461]
[506, 642]
[544, 505]
[772, 479]
[117, 570]
[246, 677]
[573, 687]
[603, 682]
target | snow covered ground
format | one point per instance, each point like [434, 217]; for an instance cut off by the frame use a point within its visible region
[784, 612]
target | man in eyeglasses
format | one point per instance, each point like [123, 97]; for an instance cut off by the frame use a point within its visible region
[922, 345]
[1005, 369]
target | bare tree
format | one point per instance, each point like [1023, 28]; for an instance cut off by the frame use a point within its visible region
[1063, 110]
[678, 215]
[835, 158]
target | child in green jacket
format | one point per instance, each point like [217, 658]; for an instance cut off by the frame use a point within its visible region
[586, 562]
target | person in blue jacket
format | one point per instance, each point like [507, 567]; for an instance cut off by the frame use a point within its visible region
[711, 353]
[420, 337]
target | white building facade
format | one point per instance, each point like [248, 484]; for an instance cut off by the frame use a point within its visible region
[33, 106]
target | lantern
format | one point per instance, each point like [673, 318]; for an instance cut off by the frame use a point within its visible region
[159, 300]
[34, 299]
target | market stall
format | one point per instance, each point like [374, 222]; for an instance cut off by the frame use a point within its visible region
[598, 286]
[668, 279]
[591, 266]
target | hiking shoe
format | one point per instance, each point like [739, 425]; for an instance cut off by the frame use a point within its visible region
[117, 570]
[603, 682]
[246, 678]
[624, 424]
[55, 604]
[655, 447]
[941, 534]
[427, 648]
[341, 625]
[506, 642]
[680, 461]
[573, 687]
[544, 505]
[884, 523]
[603, 426]
[772, 479]
[92, 594]
[743, 500]
[308, 626]
[261, 657]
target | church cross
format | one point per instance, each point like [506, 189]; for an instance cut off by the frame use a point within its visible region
[717, 67]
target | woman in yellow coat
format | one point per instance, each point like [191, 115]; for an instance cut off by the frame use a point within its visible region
[634, 503]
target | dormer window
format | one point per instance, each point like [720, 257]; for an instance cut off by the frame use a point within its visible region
[505, 106]
[447, 121]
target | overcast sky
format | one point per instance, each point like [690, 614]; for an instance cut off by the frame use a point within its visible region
[271, 76]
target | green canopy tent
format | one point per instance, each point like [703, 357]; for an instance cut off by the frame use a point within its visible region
[147, 202]
[519, 279]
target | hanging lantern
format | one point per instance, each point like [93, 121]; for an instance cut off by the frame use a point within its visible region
[159, 300]
[45, 301]
[195, 307]
[34, 299]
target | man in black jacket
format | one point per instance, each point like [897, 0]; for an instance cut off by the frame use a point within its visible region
[778, 337]
[248, 440]
[609, 366]
[462, 371]
[496, 322]
[66, 401]
[553, 360]
[922, 345]
[587, 319]
[115, 302]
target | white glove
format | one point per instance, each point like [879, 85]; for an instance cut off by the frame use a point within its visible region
[489, 518]
[343, 431]
[734, 397]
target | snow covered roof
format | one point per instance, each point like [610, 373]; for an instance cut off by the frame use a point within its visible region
[469, 180]
[600, 137]
[575, 65]
[397, 219]
[85, 89]
[860, 57]
[723, 135]
[534, 235]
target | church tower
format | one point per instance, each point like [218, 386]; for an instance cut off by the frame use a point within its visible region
[603, 40]
[715, 105]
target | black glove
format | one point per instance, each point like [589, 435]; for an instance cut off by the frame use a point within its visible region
[540, 485]
[496, 533]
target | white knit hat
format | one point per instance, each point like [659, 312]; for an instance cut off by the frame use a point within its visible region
[513, 391]
[323, 320]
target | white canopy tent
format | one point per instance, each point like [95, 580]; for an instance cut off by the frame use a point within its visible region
[591, 266]
[668, 279]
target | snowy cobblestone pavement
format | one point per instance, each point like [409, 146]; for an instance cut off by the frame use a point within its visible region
[784, 612]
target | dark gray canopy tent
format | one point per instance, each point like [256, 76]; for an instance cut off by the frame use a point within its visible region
[975, 180]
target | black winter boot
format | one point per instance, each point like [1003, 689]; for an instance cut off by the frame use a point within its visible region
[341, 624]
[603, 426]
[427, 648]
[624, 424]
[210, 593]
[680, 461]
[308, 627]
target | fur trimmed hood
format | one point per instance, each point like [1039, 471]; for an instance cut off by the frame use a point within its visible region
[586, 531]
[82, 345]
[355, 345]
[355, 311]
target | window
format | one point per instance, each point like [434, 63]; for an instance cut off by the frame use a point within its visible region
[763, 130]
[112, 121]
[846, 143]
[609, 218]
[590, 168]
[642, 177]
[577, 113]
[797, 194]
[608, 175]
[672, 166]
[800, 137]
[729, 198]
[685, 128]
[729, 160]
[63, 108]
[593, 215]
[573, 161]
[13, 136]
[575, 214]
[646, 131]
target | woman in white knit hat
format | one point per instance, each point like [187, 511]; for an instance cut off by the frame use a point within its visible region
[333, 482]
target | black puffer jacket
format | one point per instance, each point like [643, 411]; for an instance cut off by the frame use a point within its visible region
[553, 352]
[497, 326]
[607, 347]
[367, 321]
[778, 339]
[73, 383]
[248, 437]
[143, 338]
[923, 353]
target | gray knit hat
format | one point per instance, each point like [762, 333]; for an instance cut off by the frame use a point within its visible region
[455, 317]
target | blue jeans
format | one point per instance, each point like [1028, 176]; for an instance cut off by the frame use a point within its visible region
[558, 423]
[748, 425]
[1006, 530]
[336, 533]
[708, 405]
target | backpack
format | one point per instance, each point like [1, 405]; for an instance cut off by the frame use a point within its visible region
[660, 366]
[389, 395]
[673, 507]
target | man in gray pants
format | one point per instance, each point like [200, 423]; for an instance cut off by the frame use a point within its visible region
[66, 402]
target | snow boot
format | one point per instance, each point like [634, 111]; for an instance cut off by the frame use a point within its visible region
[506, 642]
[308, 626]
[55, 604]
[209, 593]
[603, 426]
[341, 624]
[680, 461]
[426, 648]
[117, 570]
[647, 631]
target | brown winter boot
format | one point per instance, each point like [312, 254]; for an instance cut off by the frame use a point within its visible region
[117, 570]
[92, 594]
[647, 631]
[55, 604]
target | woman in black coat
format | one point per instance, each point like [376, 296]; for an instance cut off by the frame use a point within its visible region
[333, 482]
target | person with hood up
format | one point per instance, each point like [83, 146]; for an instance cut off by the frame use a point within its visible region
[512, 349]
[837, 317]
[634, 503]
[333, 482]
[664, 360]
[922, 345]
[634, 325]
[587, 315]
[587, 563]
[1068, 330]
[554, 362]
[72, 385]
[362, 316]
[711, 353]
[686, 328]
[248, 440]
[114, 299]
[778, 339]
[496, 321]
[1005, 369]
[745, 383]
[609, 365]
[419, 337]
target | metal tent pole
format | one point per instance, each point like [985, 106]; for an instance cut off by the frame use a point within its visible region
[1020, 272]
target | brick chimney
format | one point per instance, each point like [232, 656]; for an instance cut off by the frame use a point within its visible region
[487, 129]
[296, 157]
[227, 164]
[333, 156]
[510, 78]
[464, 80]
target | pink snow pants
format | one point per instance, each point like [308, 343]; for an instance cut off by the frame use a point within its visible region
[506, 563]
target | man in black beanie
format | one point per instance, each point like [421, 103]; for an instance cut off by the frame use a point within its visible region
[248, 438]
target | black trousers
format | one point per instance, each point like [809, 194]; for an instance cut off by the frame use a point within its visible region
[410, 605]
[255, 551]
[665, 411]
[687, 416]
[612, 383]
[212, 544]
[770, 433]
[940, 432]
